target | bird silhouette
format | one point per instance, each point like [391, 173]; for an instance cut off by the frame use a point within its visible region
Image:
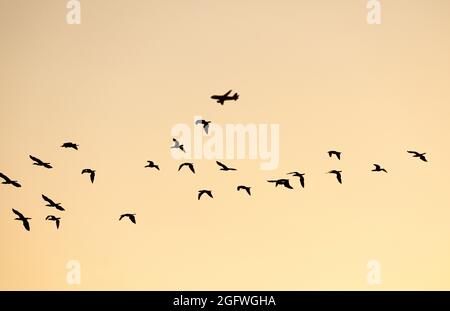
[205, 124]
[335, 153]
[70, 145]
[39, 162]
[52, 204]
[202, 192]
[241, 187]
[23, 219]
[90, 172]
[378, 168]
[223, 167]
[299, 175]
[282, 182]
[152, 164]
[188, 164]
[338, 175]
[177, 145]
[55, 219]
[132, 217]
[419, 155]
[8, 181]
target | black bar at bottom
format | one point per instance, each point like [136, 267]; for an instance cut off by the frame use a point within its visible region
[226, 300]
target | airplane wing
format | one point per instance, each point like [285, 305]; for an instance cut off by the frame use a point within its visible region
[227, 93]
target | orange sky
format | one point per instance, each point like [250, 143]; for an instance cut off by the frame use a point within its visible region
[120, 81]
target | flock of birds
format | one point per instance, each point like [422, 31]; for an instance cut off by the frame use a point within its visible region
[285, 182]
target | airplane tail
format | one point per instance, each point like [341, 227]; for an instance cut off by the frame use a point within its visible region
[236, 96]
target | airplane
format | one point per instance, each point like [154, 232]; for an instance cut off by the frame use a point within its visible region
[222, 98]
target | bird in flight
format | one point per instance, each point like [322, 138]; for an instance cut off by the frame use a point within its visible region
[70, 145]
[50, 203]
[188, 164]
[39, 162]
[8, 181]
[335, 153]
[378, 168]
[23, 219]
[223, 167]
[202, 192]
[90, 172]
[222, 98]
[338, 175]
[132, 217]
[282, 182]
[177, 145]
[419, 155]
[299, 175]
[241, 187]
[151, 164]
[55, 219]
[205, 125]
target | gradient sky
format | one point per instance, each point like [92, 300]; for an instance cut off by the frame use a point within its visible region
[118, 83]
